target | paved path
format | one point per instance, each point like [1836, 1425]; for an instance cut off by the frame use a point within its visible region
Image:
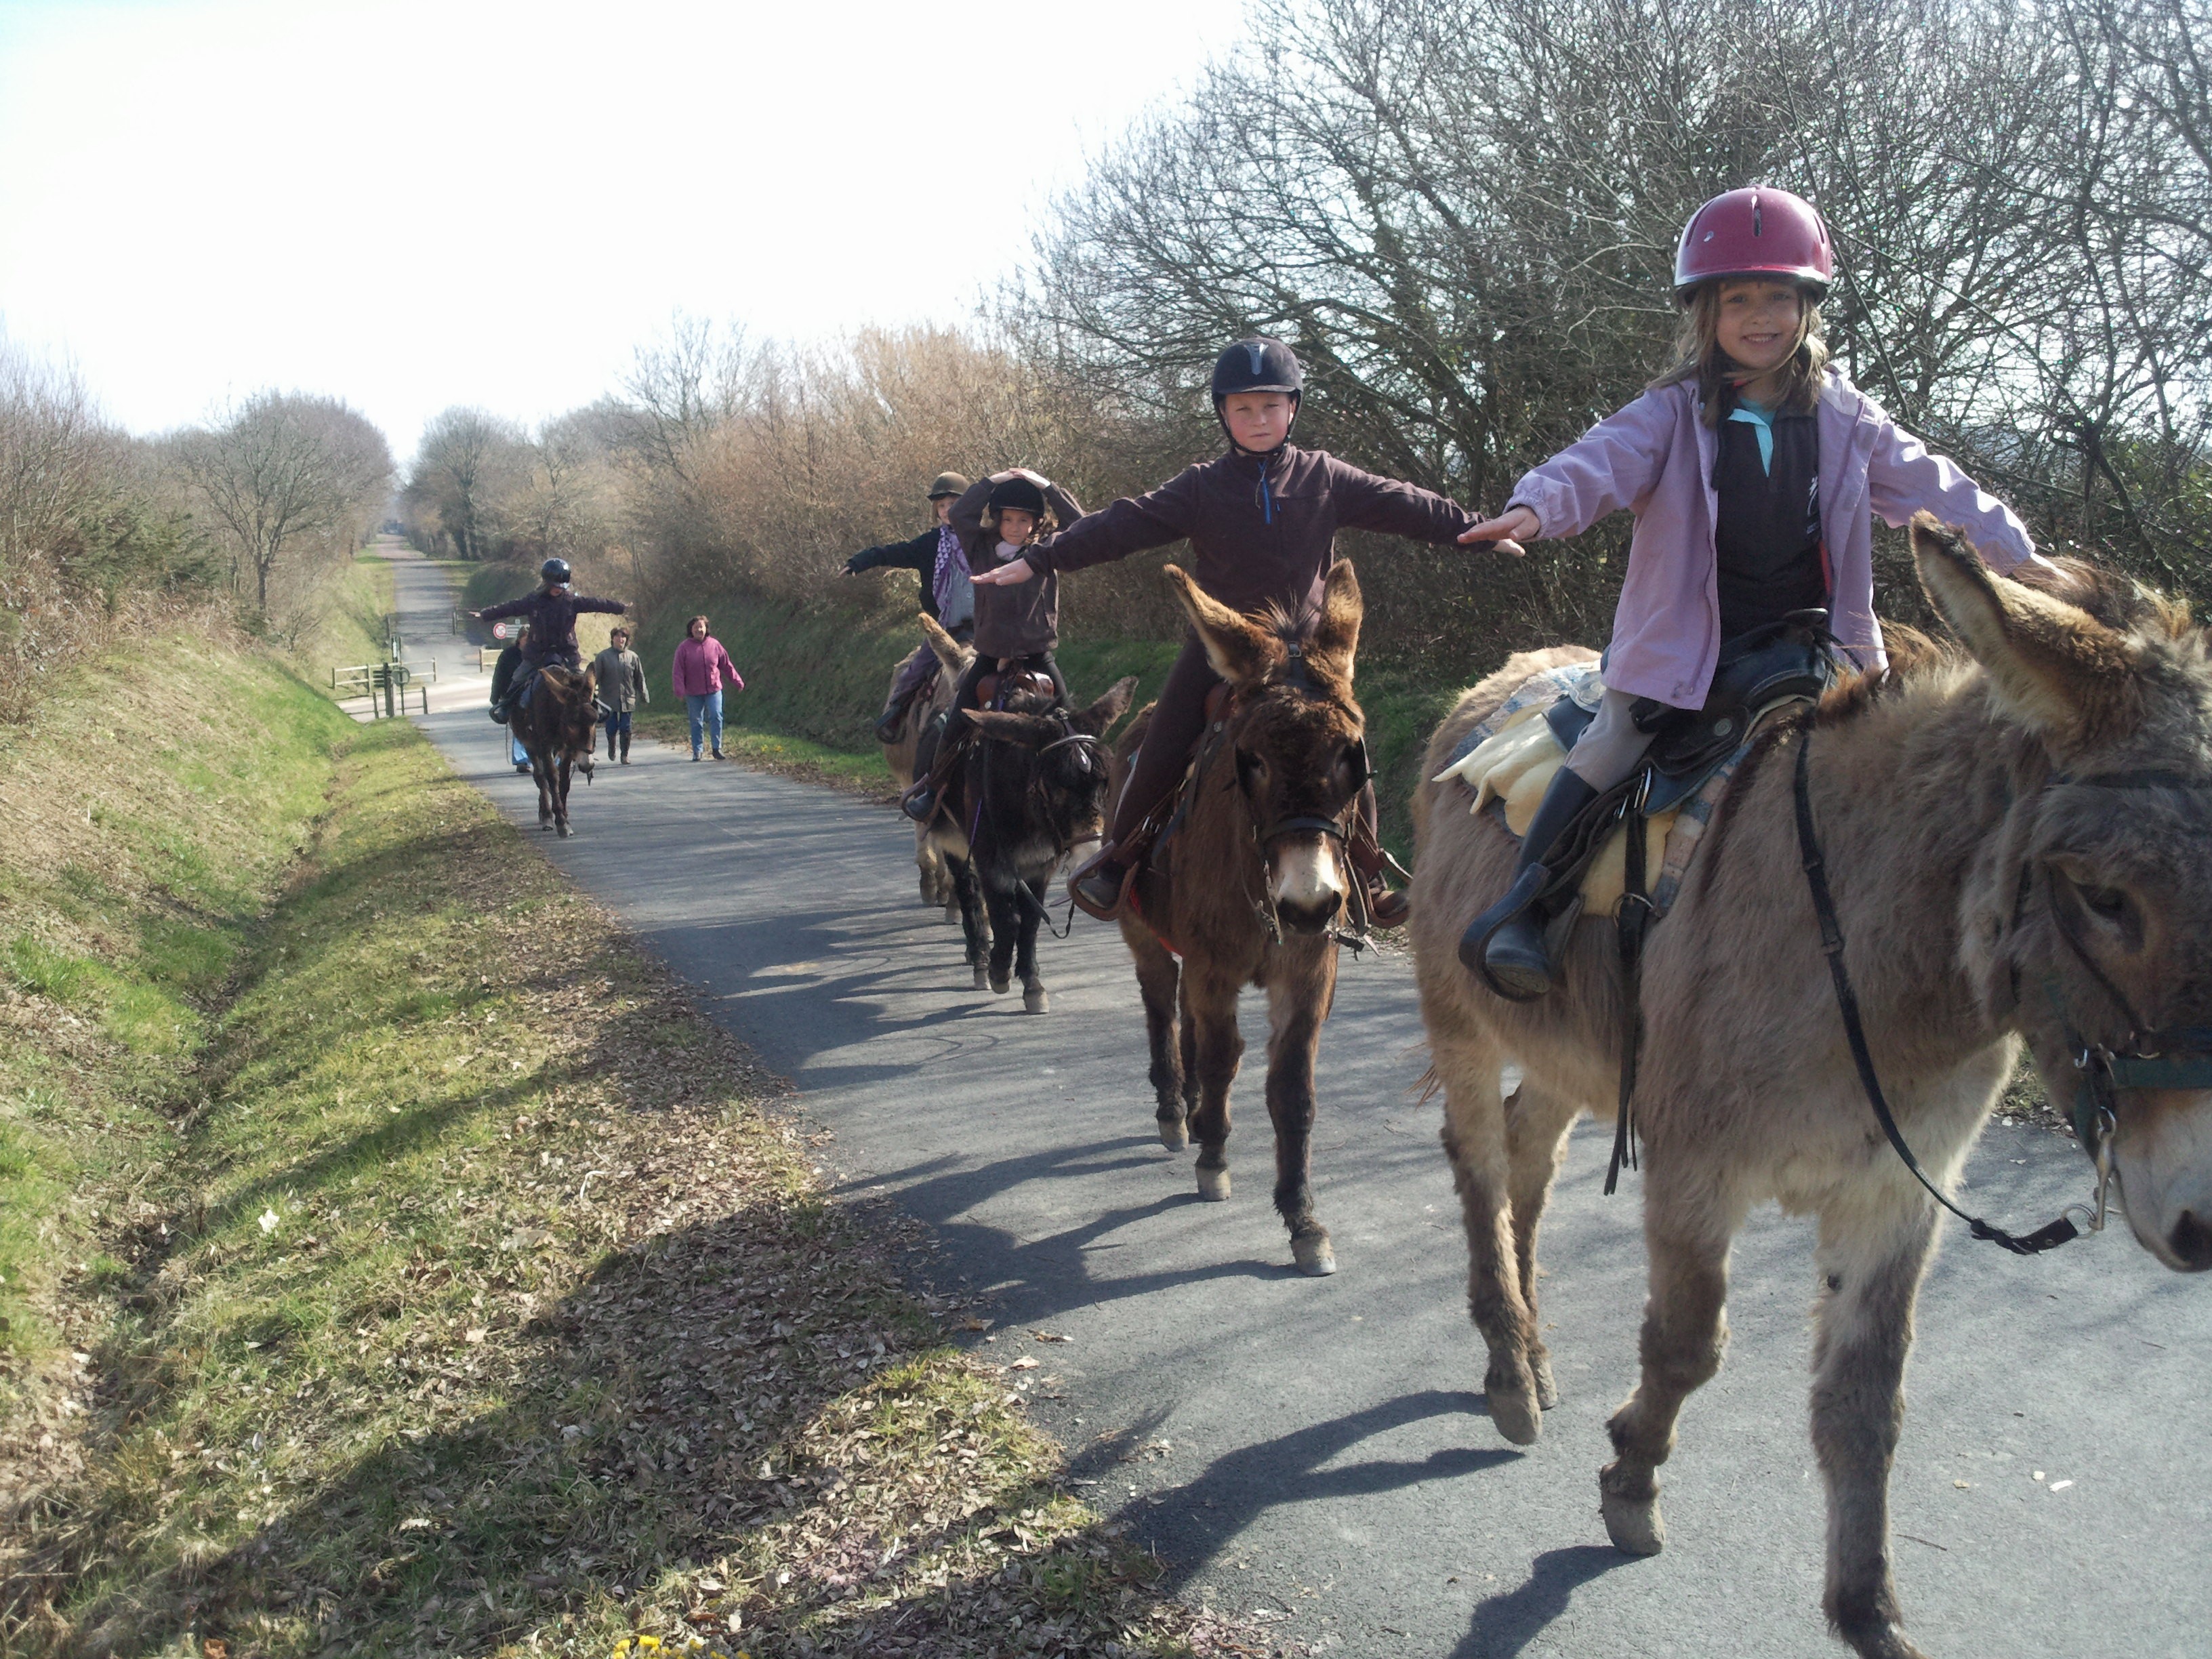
[1317, 1450]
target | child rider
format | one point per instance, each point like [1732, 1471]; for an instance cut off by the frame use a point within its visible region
[1262, 521]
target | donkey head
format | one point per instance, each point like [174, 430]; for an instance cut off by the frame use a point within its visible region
[2096, 931]
[1069, 777]
[1301, 748]
[570, 724]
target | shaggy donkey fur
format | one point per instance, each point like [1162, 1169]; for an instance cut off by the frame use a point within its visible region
[938, 886]
[1018, 802]
[1292, 749]
[2019, 843]
[558, 731]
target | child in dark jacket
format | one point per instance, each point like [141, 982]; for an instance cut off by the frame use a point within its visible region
[1017, 628]
[1262, 521]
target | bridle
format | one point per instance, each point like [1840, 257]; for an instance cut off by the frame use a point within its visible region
[1265, 834]
[2145, 1059]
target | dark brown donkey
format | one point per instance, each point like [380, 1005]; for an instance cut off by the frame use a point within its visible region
[1250, 885]
[556, 729]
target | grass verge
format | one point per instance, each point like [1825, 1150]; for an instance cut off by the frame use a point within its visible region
[457, 1294]
[350, 626]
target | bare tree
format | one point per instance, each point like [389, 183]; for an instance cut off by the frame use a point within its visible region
[467, 459]
[284, 475]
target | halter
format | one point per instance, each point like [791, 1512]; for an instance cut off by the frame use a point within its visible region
[2145, 1059]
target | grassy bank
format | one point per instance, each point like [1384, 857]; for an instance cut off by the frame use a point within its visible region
[400, 1265]
[348, 626]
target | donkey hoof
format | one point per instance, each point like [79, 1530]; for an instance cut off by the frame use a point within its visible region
[1314, 1255]
[1002, 983]
[1631, 1521]
[1212, 1184]
[1511, 1394]
[1174, 1134]
[981, 983]
[564, 831]
[1035, 999]
[1548, 1391]
[1878, 1638]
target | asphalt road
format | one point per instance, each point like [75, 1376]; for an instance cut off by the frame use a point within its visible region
[1316, 1450]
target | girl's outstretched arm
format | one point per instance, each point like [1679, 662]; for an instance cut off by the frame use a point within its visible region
[1609, 467]
[1905, 475]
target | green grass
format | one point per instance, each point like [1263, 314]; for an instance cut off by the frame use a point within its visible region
[349, 624]
[151, 837]
[445, 1287]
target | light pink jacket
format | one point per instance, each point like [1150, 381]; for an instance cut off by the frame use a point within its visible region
[702, 668]
[1657, 458]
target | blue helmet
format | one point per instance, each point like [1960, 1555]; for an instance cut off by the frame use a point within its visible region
[555, 570]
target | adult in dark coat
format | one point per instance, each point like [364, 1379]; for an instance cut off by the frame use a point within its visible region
[937, 557]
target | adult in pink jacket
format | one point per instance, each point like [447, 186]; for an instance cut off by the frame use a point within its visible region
[701, 670]
[1755, 471]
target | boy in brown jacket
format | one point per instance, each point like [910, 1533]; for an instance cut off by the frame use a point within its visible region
[1262, 521]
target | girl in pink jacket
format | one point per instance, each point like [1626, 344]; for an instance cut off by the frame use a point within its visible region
[701, 670]
[1755, 471]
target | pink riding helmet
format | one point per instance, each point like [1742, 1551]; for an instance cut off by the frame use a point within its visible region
[1758, 232]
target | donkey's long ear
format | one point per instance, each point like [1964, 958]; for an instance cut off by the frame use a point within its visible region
[950, 652]
[2063, 673]
[1108, 708]
[1336, 634]
[1240, 651]
[1030, 730]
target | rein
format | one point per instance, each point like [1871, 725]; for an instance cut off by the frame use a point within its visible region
[2181, 1059]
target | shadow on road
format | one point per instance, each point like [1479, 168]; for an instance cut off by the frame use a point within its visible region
[1504, 1625]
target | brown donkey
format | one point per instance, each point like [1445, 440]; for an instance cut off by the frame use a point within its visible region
[2019, 845]
[558, 730]
[939, 890]
[1255, 885]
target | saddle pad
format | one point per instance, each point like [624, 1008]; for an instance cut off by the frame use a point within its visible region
[1513, 762]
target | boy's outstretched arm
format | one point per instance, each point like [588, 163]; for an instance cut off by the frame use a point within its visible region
[1367, 500]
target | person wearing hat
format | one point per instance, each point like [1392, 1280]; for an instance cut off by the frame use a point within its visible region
[937, 557]
[1017, 628]
[1261, 520]
[1755, 471]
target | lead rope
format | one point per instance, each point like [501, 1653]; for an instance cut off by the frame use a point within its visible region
[2046, 1237]
[1634, 918]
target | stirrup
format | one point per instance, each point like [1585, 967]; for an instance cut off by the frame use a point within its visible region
[1475, 944]
[1090, 906]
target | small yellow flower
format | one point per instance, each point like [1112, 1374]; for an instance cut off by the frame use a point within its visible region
[621, 1648]
[649, 1643]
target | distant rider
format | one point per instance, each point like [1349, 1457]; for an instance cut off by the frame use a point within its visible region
[551, 612]
[940, 559]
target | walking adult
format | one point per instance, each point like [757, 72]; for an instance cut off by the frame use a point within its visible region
[622, 690]
[702, 668]
[948, 596]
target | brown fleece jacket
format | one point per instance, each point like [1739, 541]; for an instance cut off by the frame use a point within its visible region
[1023, 620]
[1256, 536]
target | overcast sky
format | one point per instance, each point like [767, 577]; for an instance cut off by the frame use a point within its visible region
[415, 203]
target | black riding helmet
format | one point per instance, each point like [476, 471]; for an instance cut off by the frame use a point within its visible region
[554, 570]
[1257, 364]
[1019, 494]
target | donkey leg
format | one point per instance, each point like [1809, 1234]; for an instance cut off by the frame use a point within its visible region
[1684, 1334]
[1474, 1137]
[1298, 1002]
[1871, 1268]
[1212, 1008]
[1536, 1126]
[1035, 998]
[1005, 911]
[1156, 985]
[969, 894]
[541, 774]
[561, 798]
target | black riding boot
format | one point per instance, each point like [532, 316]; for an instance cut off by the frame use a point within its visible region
[920, 802]
[892, 720]
[1510, 956]
[625, 747]
[502, 681]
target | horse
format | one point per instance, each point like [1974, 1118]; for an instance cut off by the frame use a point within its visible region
[558, 728]
[938, 888]
[2016, 837]
[1263, 821]
[1028, 791]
